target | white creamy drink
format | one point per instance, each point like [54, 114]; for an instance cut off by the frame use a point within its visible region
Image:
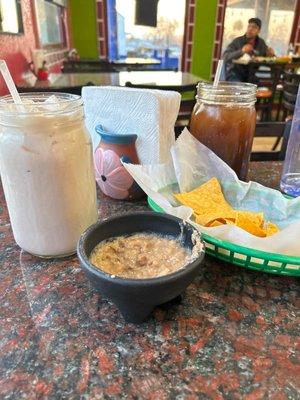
[47, 172]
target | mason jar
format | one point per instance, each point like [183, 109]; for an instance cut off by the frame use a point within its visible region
[47, 172]
[224, 119]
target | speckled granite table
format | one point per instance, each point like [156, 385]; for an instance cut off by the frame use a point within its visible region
[234, 336]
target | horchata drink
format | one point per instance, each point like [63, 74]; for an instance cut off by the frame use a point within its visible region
[224, 119]
[47, 172]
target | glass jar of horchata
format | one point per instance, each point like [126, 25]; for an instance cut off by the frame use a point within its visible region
[224, 119]
[47, 172]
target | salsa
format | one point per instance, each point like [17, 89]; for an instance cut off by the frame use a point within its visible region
[140, 256]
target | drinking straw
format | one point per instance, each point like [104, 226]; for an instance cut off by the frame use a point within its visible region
[218, 73]
[9, 82]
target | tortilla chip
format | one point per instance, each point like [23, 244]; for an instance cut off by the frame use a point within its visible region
[211, 209]
[215, 223]
[256, 218]
[271, 228]
[207, 219]
[230, 221]
[221, 221]
[206, 199]
[246, 223]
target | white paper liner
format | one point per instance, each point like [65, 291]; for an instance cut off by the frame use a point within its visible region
[192, 165]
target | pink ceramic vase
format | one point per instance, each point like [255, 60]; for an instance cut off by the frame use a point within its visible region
[111, 176]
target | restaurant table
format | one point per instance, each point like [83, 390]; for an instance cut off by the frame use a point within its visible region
[125, 64]
[268, 69]
[124, 61]
[69, 80]
[234, 335]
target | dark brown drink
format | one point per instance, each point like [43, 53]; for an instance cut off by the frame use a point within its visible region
[226, 123]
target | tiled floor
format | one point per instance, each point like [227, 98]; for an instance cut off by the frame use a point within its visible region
[264, 144]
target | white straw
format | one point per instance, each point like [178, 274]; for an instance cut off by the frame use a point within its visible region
[10, 83]
[218, 73]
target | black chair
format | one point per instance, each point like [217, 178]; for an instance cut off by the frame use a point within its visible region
[291, 82]
[281, 130]
[290, 86]
[186, 105]
[289, 68]
[268, 76]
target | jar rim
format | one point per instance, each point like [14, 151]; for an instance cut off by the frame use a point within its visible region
[66, 103]
[223, 85]
[227, 92]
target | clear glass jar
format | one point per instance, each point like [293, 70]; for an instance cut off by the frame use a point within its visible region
[224, 119]
[47, 172]
[290, 179]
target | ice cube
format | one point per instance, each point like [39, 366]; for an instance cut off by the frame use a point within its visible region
[53, 103]
[27, 106]
[52, 99]
[30, 106]
[27, 101]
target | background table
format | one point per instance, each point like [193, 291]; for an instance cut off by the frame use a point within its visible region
[235, 335]
[125, 64]
[69, 80]
[132, 61]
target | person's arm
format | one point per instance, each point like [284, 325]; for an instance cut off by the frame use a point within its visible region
[265, 50]
[234, 51]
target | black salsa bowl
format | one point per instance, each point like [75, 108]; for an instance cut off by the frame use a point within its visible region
[136, 298]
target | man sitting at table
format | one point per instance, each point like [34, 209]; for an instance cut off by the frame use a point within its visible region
[251, 44]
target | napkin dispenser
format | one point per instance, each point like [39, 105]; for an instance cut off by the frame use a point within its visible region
[150, 114]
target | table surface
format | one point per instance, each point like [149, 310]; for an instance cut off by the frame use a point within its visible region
[126, 61]
[279, 61]
[269, 62]
[158, 78]
[137, 61]
[235, 335]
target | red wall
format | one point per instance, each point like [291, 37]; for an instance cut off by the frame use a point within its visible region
[15, 49]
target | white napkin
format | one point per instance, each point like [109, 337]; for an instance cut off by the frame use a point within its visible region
[150, 114]
[193, 164]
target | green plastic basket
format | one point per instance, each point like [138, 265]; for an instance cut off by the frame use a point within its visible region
[258, 260]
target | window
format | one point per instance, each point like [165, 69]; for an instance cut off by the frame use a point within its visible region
[162, 43]
[277, 20]
[11, 16]
[50, 22]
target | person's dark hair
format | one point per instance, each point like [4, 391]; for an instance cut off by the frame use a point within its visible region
[255, 21]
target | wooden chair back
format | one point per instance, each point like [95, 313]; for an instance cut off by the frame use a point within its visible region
[291, 82]
[267, 75]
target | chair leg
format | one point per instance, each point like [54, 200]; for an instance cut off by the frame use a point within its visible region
[277, 141]
[265, 114]
[279, 106]
[269, 111]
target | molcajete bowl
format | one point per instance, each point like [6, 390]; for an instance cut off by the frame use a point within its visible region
[136, 298]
